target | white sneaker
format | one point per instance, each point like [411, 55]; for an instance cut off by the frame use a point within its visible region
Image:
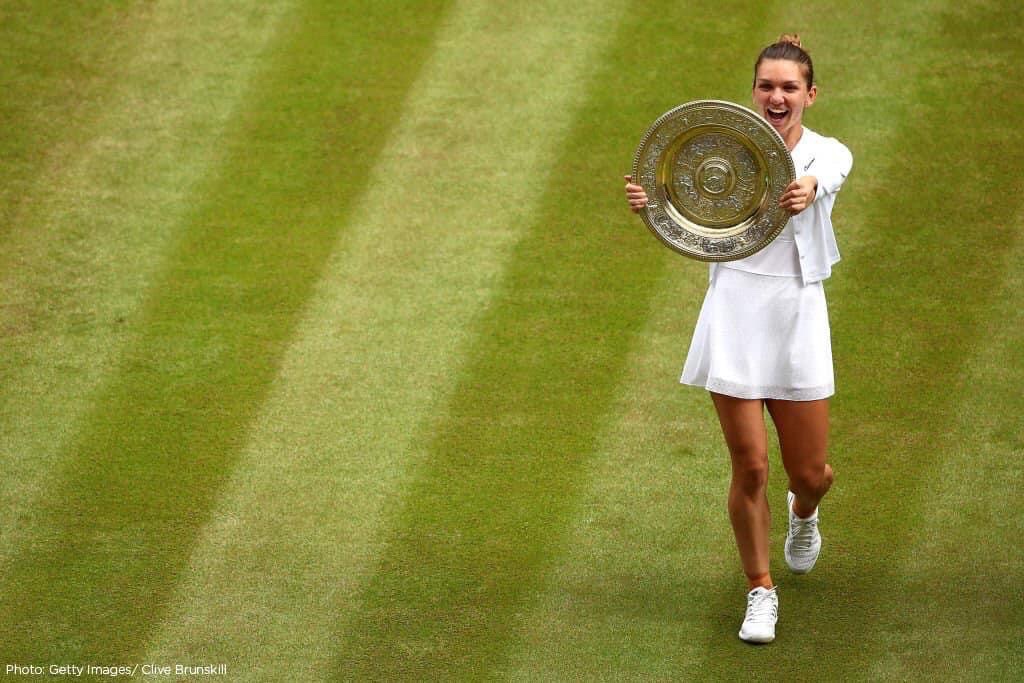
[803, 542]
[762, 613]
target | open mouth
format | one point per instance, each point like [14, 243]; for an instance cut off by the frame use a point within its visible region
[776, 115]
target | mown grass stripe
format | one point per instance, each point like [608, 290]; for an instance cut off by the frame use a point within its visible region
[967, 548]
[104, 183]
[297, 529]
[478, 524]
[138, 482]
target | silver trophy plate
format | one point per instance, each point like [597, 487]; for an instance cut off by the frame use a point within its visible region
[713, 172]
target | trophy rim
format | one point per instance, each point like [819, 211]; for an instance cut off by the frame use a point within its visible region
[699, 237]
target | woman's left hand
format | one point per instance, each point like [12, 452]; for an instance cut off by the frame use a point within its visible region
[799, 194]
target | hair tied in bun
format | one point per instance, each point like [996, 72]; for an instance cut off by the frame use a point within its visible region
[793, 38]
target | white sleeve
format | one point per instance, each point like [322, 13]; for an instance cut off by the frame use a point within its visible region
[834, 164]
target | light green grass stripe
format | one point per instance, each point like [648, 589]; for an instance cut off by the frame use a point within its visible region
[298, 526]
[99, 209]
[964, 560]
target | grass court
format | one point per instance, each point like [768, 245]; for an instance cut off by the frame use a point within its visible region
[329, 349]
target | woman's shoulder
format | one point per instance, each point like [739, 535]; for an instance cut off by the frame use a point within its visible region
[822, 142]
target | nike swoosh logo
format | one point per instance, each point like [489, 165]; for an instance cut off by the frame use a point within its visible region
[809, 164]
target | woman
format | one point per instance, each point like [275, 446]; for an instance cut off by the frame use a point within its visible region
[762, 340]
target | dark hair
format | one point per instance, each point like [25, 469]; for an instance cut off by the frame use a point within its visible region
[788, 47]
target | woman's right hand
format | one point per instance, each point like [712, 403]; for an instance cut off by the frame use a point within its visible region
[635, 195]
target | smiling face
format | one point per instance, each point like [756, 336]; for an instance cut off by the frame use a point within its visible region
[781, 94]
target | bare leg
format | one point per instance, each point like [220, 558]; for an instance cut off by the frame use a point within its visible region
[803, 438]
[742, 423]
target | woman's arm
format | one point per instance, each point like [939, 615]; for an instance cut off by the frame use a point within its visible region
[799, 194]
[834, 162]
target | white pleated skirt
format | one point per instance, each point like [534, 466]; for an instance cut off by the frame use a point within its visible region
[762, 336]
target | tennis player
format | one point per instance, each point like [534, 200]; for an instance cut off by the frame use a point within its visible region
[762, 340]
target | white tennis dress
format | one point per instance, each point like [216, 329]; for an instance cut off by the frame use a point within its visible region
[763, 328]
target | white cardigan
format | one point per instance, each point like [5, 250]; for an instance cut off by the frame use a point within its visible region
[830, 162]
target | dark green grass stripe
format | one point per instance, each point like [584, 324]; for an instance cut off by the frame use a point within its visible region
[138, 482]
[927, 221]
[486, 511]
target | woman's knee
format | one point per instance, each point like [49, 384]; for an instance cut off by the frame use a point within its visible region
[750, 471]
[812, 480]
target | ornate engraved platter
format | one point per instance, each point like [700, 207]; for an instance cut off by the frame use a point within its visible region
[713, 172]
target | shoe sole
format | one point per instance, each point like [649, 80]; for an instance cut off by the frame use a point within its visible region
[756, 640]
[797, 570]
